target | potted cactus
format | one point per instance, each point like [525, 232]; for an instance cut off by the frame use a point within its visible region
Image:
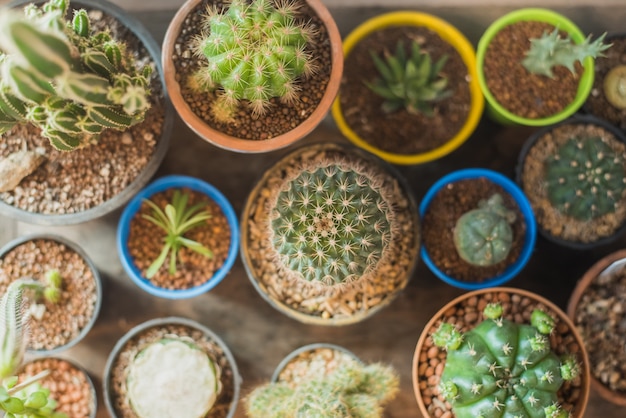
[252, 76]
[329, 235]
[76, 104]
[409, 92]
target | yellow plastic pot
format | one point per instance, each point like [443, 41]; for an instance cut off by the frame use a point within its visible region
[448, 33]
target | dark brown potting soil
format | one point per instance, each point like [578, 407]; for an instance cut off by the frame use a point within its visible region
[145, 242]
[446, 208]
[528, 95]
[401, 132]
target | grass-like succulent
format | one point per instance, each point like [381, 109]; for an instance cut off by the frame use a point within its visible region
[614, 86]
[253, 51]
[552, 50]
[176, 220]
[413, 83]
[65, 78]
[501, 368]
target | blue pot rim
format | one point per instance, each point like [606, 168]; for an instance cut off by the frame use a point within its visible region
[159, 185]
[524, 205]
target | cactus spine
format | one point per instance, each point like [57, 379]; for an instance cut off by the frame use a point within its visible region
[67, 81]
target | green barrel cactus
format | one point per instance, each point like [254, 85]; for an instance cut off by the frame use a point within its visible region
[331, 224]
[586, 178]
[65, 79]
[484, 236]
[503, 369]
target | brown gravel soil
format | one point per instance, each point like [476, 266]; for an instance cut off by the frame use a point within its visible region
[119, 371]
[69, 386]
[313, 364]
[524, 94]
[280, 117]
[448, 205]
[72, 182]
[401, 132]
[429, 360]
[549, 219]
[145, 242]
[63, 322]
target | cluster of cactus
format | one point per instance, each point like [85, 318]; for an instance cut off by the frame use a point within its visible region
[167, 364]
[551, 50]
[413, 83]
[586, 178]
[331, 224]
[501, 368]
[614, 86]
[254, 51]
[483, 236]
[352, 390]
[66, 80]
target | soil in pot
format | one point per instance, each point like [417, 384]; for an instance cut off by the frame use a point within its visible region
[401, 132]
[524, 94]
[280, 117]
[71, 182]
[549, 218]
[119, 369]
[61, 322]
[69, 386]
[145, 242]
[448, 205]
[313, 364]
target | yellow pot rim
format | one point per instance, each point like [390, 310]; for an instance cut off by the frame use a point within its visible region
[448, 33]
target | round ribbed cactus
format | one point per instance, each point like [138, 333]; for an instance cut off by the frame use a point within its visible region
[615, 86]
[331, 223]
[503, 369]
[586, 178]
[483, 236]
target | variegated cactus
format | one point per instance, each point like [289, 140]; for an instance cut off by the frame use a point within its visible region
[66, 80]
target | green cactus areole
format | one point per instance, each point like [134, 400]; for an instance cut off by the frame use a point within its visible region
[331, 224]
[586, 178]
[504, 369]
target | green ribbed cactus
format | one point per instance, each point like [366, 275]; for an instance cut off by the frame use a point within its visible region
[254, 51]
[331, 224]
[501, 368]
[483, 236]
[586, 178]
[66, 80]
[551, 50]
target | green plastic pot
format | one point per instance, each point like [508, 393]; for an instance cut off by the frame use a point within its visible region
[494, 109]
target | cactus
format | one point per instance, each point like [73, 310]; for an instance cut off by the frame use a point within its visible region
[70, 83]
[483, 236]
[253, 52]
[551, 50]
[352, 390]
[615, 86]
[501, 368]
[413, 83]
[172, 377]
[586, 178]
[331, 224]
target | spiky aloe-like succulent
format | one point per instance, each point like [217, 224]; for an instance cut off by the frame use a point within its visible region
[331, 223]
[254, 51]
[614, 86]
[414, 83]
[551, 50]
[484, 236]
[586, 178]
[501, 368]
[353, 390]
[66, 80]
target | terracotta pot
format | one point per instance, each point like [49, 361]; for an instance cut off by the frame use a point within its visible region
[232, 143]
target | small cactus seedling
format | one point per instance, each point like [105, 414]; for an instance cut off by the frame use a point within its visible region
[586, 178]
[484, 236]
[254, 51]
[501, 368]
[413, 83]
[551, 50]
[615, 86]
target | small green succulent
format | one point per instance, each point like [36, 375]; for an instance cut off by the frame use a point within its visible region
[614, 86]
[414, 83]
[176, 220]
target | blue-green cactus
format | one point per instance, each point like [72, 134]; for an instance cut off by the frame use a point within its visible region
[503, 369]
